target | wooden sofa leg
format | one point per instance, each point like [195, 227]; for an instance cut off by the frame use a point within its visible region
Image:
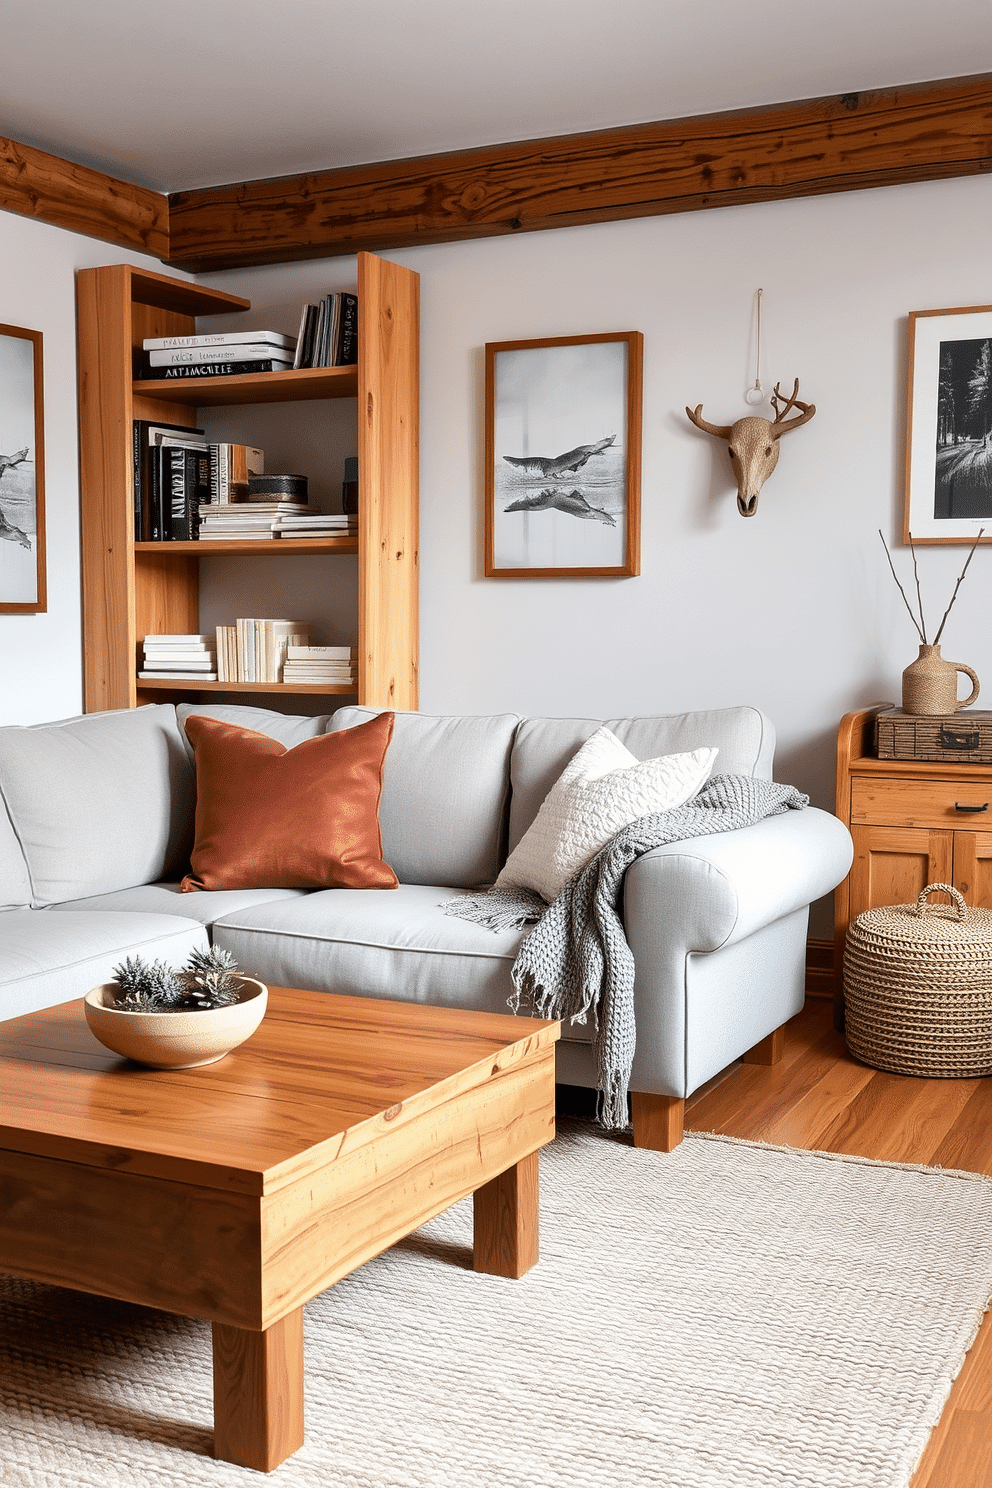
[658, 1120]
[769, 1051]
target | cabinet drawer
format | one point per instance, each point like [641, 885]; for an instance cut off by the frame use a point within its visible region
[922, 803]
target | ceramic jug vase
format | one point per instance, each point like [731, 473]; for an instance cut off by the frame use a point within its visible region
[930, 684]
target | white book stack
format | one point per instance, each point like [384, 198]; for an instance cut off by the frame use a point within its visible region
[314, 524]
[245, 519]
[253, 650]
[175, 657]
[311, 665]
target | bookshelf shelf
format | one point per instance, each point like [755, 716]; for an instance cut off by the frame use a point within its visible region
[253, 387]
[278, 547]
[185, 684]
[132, 589]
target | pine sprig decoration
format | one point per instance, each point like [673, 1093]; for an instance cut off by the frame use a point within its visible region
[210, 977]
[150, 989]
[208, 980]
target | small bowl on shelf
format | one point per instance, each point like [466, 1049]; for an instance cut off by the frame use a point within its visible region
[183, 1040]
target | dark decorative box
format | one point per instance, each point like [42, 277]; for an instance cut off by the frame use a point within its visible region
[963, 737]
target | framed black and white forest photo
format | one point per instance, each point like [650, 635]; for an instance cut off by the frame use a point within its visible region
[949, 428]
[563, 456]
[22, 473]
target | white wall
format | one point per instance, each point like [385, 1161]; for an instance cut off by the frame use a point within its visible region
[41, 655]
[794, 610]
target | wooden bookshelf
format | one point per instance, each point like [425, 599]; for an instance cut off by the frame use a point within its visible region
[131, 588]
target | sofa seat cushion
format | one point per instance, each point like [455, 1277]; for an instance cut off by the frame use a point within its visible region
[50, 958]
[166, 898]
[367, 944]
[98, 803]
[445, 791]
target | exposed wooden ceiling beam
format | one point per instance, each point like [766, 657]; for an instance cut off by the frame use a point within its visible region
[915, 133]
[49, 189]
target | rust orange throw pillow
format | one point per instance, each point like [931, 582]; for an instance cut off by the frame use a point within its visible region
[268, 817]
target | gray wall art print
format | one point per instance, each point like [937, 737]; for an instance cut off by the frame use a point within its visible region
[22, 509]
[563, 456]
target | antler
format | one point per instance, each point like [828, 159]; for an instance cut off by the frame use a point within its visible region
[722, 431]
[780, 427]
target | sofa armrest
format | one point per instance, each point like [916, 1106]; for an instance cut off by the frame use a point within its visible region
[717, 928]
[709, 892]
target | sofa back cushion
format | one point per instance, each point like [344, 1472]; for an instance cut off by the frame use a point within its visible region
[15, 886]
[444, 795]
[543, 747]
[98, 803]
[289, 728]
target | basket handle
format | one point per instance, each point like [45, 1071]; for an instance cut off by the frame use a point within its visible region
[959, 899]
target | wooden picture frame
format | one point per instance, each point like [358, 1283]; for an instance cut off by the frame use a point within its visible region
[948, 496]
[563, 457]
[22, 473]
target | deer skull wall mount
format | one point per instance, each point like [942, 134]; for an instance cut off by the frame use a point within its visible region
[754, 443]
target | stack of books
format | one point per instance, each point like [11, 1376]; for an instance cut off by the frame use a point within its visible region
[218, 354]
[174, 656]
[314, 524]
[328, 334]
[255, 650]
[176, 471]
[253, 520]
[313, 664]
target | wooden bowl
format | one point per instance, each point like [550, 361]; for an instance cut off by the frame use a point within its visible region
[175, 1040]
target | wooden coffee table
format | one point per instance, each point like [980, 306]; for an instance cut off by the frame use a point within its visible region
[238, 1191]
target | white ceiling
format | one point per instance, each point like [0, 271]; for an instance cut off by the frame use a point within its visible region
[184, 93]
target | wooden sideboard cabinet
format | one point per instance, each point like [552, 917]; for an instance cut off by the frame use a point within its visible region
[913, 822]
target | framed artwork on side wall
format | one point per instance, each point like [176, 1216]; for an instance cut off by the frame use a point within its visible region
[22, 473]
[949, 427]
[563, 456]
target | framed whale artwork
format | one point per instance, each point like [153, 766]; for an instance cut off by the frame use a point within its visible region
[563, 457]
[22, 473]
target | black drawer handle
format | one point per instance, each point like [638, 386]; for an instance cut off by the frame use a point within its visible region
[958, 807]
[949, 739]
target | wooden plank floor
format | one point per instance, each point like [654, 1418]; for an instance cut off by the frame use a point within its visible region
[819, 1097]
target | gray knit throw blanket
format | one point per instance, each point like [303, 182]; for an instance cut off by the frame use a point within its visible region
[576, 961]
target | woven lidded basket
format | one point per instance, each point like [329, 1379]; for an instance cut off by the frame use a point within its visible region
[918, 988]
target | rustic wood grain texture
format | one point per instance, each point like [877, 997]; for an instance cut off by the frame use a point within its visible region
[837, 1104]
[117, 306]
[258, 1393]
[134, 588]
[163, 1244]
[913, 133]
[64, 194]
[266, 1115]
[657, 1120]
[506, 1237]
[388, 483]
[302, 386]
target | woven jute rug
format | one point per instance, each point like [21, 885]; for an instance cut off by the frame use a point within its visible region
[729, 1315]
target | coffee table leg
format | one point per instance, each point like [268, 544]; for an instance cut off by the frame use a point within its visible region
[506, 1224]
[258, 1393]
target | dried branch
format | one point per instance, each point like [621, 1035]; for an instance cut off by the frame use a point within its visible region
[957, 586]
[916, 623]
[919, 594]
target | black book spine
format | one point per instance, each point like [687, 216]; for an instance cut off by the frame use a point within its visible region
[347, 351]
[139, 530]
[211, 369]
[174, 466]
[153, 501]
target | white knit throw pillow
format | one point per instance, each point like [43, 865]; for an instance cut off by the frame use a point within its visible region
[603, 788]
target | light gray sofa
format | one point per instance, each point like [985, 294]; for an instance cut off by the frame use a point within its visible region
[97, 824]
